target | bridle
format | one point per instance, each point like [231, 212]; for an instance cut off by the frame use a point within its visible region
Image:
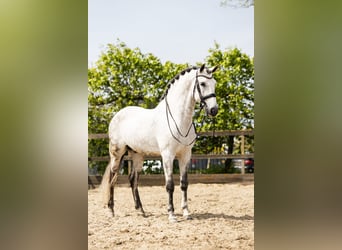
[202, 105]
[202, 98]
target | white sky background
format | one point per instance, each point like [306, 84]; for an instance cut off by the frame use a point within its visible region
[181, 31]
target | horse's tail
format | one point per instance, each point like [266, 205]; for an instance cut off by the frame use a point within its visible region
[105, 186]
[111, 174]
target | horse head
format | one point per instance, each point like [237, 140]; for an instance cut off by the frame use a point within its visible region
[204, 89]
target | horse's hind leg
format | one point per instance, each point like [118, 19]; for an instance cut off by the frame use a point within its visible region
[111, 174]
[134, 178]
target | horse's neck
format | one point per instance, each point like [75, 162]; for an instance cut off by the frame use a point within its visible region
[181, 103]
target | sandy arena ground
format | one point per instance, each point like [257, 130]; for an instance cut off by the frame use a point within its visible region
[223, 218]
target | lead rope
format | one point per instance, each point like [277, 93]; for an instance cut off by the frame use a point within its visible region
[214, 122]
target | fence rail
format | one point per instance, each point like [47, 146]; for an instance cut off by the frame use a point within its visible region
[225, 133]
[207, 133]
[159, 180]
[193, 156]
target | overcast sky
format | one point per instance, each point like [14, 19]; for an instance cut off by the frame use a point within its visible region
[180, 31]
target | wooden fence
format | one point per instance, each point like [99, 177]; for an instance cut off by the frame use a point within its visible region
[159, 180]
[94, 181]
[226, 133]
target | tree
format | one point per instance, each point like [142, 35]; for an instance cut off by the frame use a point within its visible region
[123, 77]
[235, 88]
[235, 96]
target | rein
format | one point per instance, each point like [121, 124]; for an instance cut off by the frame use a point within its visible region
[202, 105]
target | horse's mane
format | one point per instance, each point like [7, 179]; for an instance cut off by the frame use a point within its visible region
[176, 78]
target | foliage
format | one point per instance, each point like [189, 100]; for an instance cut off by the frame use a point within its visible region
[235, 88]
[235, 96]
[124, 76]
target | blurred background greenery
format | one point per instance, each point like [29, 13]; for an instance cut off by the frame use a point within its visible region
[298, 124]
[43, 97]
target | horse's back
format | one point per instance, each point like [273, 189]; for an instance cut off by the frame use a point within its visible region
[130, 114]
[136, 128]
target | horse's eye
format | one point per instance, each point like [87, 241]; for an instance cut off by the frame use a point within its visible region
[203, 84]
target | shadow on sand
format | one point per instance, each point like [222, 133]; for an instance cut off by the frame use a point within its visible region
[206, 216]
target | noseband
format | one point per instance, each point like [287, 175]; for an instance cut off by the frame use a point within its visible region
[202, 98]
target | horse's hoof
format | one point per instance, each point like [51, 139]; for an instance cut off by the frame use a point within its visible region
[173, 219]
[110, 213]
[187, 217]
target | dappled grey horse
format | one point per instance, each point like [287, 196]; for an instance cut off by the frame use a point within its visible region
[167, 130]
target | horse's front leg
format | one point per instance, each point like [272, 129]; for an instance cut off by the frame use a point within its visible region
[170, 186]
[183, 167]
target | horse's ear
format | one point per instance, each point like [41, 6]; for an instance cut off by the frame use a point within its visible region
[213, 69]
[202, 67]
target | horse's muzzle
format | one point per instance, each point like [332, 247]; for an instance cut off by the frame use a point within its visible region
[213, 111]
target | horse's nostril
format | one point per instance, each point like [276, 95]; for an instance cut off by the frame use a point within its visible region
[213, 111]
